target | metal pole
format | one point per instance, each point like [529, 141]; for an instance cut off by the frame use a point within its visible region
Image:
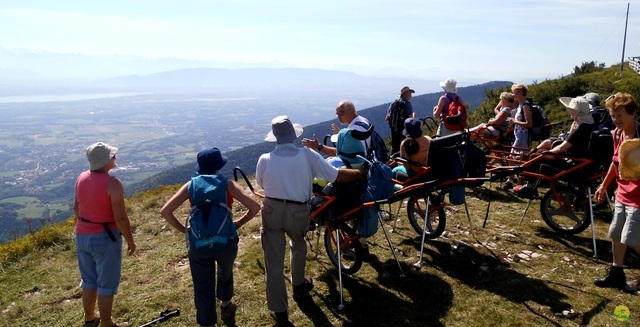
[424, 232]
[624, 41]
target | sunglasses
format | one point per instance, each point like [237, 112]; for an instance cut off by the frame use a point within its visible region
[613, 96]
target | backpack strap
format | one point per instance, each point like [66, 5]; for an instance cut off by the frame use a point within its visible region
[362, 124]
[450, 98]
[365, 126]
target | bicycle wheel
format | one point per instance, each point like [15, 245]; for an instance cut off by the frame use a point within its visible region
[568, 214]
[436, 220]
[350, 249]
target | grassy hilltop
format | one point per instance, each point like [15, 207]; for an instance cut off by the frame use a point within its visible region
[517, 275]
[513, 275]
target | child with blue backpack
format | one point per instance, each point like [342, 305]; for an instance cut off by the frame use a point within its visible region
[209, 186]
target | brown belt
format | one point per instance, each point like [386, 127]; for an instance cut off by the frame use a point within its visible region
[285, 200]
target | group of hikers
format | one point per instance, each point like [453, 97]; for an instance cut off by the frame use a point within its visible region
[286, 176]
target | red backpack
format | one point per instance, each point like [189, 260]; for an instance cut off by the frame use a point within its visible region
[455, 116]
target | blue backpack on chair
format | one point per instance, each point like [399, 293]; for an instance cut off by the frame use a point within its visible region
[379, 187]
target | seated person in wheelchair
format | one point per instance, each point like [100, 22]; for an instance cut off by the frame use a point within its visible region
[498, 125]
[415, 147]
[576, 143]
[349, 146]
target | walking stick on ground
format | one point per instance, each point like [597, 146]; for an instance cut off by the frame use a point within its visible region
[164, 315]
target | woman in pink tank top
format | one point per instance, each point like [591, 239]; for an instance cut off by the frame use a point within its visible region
[102, 221]
[624, 230]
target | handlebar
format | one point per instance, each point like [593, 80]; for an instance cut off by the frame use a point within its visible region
[324, 140]
[237, 170]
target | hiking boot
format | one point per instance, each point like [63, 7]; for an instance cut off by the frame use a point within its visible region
[615, 278]
[228, 312]
[281, 318]
[92, 323]
[302, 291]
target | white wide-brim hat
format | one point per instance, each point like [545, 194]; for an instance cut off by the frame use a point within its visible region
[449, 85]
[578, 106]
[99, 154]
[283, 130]
[629, 154]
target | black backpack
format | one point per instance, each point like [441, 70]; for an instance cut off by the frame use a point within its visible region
[602, 118]
[397, 115]
[541, 128]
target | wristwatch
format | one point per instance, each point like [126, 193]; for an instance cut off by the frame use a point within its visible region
[320, 146]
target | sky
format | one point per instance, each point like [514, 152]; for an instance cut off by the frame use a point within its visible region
[474, 40]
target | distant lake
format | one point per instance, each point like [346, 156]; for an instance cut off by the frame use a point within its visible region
[62, 97]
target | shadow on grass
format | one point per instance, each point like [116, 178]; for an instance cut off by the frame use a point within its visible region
[416, 300]
[488, 272]
[581, 244]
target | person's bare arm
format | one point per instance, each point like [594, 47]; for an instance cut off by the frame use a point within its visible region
[247, 201]
[350, 174]
[315, 145]
[116, 192]
[438, 108]
[170, 207]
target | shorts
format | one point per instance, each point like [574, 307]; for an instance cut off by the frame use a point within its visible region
[522, 141]
[625, 225]
[100, 261]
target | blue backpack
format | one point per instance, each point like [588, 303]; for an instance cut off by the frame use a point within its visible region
[379, 187]
[210, 224]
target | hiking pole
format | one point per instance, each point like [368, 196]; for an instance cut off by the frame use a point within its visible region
[341, 305]
[393, 250]
[418, 264]
[593, 224]
[164, 315]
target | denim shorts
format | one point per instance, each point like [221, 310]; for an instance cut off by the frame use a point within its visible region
[625, 226]
[522, 140]
[100, 261]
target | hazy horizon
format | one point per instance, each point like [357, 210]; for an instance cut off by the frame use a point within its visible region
[468, 40]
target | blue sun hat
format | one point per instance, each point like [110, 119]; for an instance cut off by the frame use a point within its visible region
[412, 128]
[210, 160]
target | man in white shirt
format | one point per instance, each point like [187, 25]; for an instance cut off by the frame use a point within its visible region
[286, 175]
[347, 115]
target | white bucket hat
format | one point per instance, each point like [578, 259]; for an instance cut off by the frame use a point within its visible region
[449, 85]
[99, 155]
[578, 106]
[283, 131]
